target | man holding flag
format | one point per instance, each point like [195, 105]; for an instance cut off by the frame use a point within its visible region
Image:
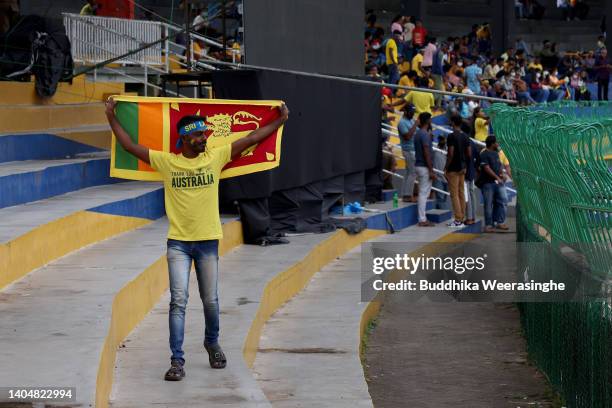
[191, 191]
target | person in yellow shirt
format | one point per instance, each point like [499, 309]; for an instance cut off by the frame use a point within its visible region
[406, 80]
[480, 125]
[423, 101]
[391, 57]
[417, 61]
[191, 192]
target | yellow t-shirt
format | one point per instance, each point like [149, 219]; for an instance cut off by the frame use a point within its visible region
[422, 101]
[482, 129]
[391, 52]
[503, 159]
[415, 64]
[191, 191]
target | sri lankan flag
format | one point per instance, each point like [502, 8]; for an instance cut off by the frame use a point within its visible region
[151, 122]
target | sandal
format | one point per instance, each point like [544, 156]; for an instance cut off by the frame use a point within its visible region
[176, 371]
[216, 358]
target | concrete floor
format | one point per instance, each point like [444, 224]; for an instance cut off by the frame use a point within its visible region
[141, 364]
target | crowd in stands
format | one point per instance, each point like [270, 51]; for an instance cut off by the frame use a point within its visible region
[407, 54]
[469, 158]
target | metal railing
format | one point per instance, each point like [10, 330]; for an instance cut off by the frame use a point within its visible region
[96, 39]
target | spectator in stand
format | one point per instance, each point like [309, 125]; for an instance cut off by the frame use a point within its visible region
[484, 39]
[473, 76]
[423, 149]
[409, 27]
[437, 72]
[601, 44]
[371, 23]
[521, 45]
[509, 53]
[408, 79]
[406, 128]
[391, 54]
[579, 85]
[564, 7]
[497, 91]
[480, 124]
[471, 174]
[492, 181]
[536, 90]
[428, 53]
[519, 10]
[89, 9]
[440, 183]
[423, 101]
[458, 155]
[602, 75]
[419, 34]
[417, 62]
[398, 25]
[552, 84]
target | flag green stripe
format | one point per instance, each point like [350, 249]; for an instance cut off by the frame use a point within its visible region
[127, 115]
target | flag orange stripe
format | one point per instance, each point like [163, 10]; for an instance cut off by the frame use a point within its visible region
[150, 129]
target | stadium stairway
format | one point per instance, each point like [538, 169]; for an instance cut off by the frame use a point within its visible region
[82, 264]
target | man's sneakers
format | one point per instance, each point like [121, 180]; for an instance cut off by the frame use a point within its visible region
[455, 224]
[176, 371]
[216, 358]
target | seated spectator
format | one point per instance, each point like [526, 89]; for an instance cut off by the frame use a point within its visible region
[408, 79]
[536, 90]
[497, 91]
[579, 83]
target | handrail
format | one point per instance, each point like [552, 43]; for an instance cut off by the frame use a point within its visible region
[364, 82]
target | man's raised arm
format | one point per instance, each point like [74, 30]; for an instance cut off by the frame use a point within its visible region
[260, 134]
[124, 139]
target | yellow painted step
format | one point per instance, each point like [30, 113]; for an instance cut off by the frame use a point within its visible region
[25, 118]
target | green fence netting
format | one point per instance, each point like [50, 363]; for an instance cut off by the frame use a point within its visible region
[560, 158]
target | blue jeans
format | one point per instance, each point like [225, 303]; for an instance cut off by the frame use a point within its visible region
[181, 255]
[394, 74]
[495, 200]
[540, 95]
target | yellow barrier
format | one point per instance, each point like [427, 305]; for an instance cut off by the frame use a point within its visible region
[289, 282]
[57, 238]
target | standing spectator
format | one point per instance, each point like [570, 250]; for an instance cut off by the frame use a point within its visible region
[437, 72]
[417, 62]
[428, 53]
[406, 128]
[458, 155]
[423, 151]
[440, 183]
[419, 34]
[602, 74]
[391, 57]
[408, 49]
[397, 25]
[473, 75]
[601, 44]
[492, 184]
[564, 7]
[480, 124]
[471, 174]
[519, 9]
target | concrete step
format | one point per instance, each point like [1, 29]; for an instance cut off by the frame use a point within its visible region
[32, 180]
[55, 143]
[28, 118]
[310, 348]
[439, 216]
[99, 292]
[254, 281]
[33, 234]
